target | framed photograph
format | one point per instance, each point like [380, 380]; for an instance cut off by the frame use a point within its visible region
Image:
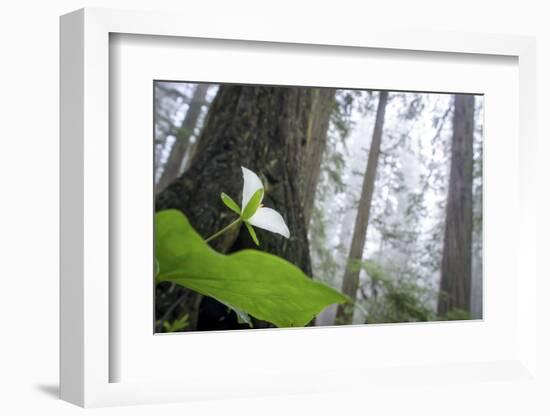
[274, 212]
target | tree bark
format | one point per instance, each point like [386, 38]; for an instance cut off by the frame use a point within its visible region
[266, 130]
[351, 276]
[173, 164]
[456, 267]
[323, 104]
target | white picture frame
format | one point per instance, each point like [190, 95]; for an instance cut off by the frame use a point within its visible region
[86, 305]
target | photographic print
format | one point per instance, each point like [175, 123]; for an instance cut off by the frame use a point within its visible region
[290, 206]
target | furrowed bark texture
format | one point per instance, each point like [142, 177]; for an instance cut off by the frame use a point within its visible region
[323, 104]
[266, 130]
[456, 268]
[350, 283]
[181, 145]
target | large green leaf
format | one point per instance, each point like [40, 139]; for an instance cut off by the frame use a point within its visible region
[260, 284]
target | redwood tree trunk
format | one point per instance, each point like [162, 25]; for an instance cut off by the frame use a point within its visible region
[456, 268]
[350, 283]
[181, 145]
[266, 130]
[323, 104]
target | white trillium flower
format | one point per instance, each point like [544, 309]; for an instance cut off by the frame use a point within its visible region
[252, 211]
[265, 218]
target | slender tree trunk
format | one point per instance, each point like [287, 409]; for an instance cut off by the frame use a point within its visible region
[351, 276]
[173, 164]
[264, 129]
[323, 104]
[456, 267]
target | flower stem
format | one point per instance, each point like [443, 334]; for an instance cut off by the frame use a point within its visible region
[223, 230]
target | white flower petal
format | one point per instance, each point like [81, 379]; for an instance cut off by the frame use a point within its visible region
[270, 220]
[251, 184]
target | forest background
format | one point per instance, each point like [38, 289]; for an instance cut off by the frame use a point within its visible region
[382, 191]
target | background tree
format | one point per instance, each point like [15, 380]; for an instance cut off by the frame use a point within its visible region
[322, 107]
[456, 267]
[172, 167]
[476, 306]
[351, 277]
[328, 209]
[170, 99]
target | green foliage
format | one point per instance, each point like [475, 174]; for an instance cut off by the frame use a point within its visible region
[178, 325]
[256, 283]
[406, 305]
[247, 212]
[392, 301]
[373, 269]
[456, 314]
[325, 259]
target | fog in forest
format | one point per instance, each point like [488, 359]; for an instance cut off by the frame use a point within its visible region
[402, 237]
